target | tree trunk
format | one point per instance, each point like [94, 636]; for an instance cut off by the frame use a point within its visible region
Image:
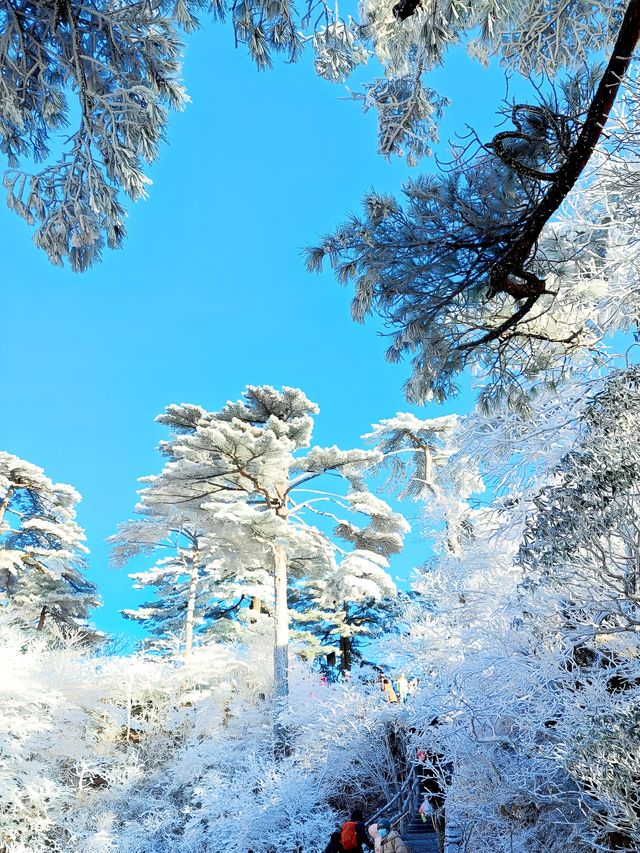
[43, 614]
[438, 821]
[629, 573]
[5, 501]
[515, 258]
[191, 606]
[281, 647]
[345, 654]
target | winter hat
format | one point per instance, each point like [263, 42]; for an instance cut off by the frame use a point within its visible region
[384, 824]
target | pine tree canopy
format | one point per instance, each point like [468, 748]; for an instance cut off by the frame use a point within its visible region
[239, 482]
[515, 259]
[42, 550]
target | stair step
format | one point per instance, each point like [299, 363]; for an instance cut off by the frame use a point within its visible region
[422, 843]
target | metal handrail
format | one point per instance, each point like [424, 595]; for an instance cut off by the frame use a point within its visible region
[411, 802]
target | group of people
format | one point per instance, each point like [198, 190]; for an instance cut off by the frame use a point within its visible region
[399, 691]
[354, 836]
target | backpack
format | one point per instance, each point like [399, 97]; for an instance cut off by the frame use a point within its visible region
[349, 835]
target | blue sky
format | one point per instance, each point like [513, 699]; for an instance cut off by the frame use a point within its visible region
[209, 293]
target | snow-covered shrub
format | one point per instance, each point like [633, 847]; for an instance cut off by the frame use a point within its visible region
[142, 753]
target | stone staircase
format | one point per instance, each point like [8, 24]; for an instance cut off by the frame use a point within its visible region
[420, 836]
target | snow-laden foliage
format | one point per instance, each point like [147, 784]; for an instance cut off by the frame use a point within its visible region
[338, 50]
[408, 114]
[42, 550]
[144, 754]
[531, 35]
[112, 70]
[535, 745]
[120, 62]
[583, 538]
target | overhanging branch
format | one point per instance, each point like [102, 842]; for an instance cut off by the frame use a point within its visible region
[513, 262]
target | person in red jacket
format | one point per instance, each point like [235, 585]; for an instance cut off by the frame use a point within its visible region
[354, 834]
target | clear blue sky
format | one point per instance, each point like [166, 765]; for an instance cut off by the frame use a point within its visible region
[209, 293]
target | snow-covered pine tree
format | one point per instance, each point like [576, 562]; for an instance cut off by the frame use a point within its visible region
[422, 462]
[342, 615]
[199, 591]
[42, 550]
[269, 501]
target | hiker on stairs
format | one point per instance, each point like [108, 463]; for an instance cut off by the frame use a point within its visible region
[391, 842]
[354, 834]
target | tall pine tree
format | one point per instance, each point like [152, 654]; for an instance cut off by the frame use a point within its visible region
[265, 500]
